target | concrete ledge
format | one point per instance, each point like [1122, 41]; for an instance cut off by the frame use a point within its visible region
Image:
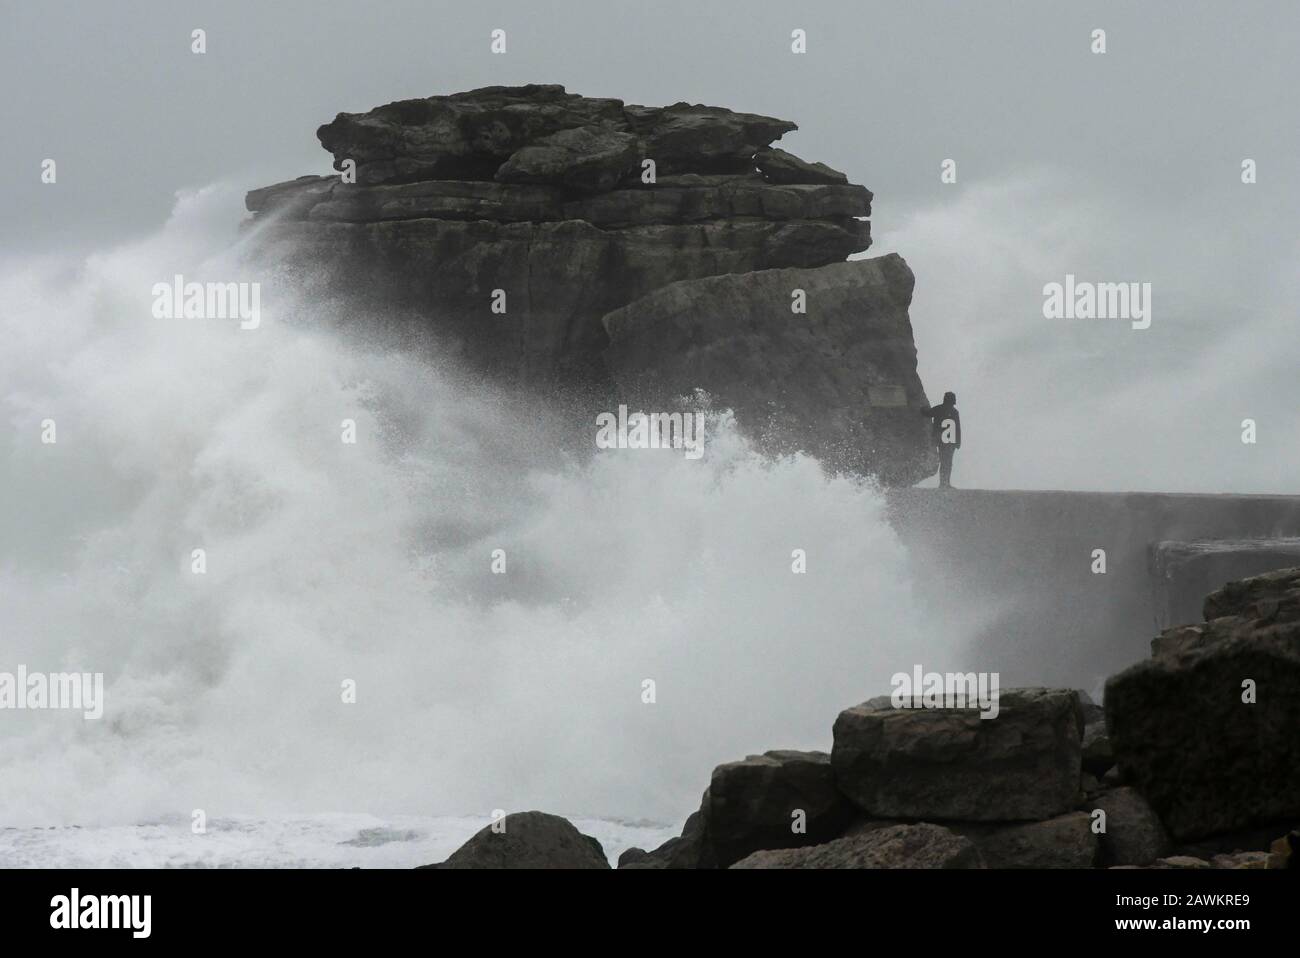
[1017, 567]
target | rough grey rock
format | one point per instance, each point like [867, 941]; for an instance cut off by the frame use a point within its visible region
[532, 190]
[560, 278]
[292, 198]
[1092, 712]
[529, 840]
[471, 135]
[585, 159]
[778, 166]
[1241, 860]
[1066, 841]
[861, 825]
[538, 193]
[462, 136]
[633, 856]
[1207, 761]
[1186, 571]
[839, 382]
[753, 802]
[691, 849]
[1090, 786]
[1134, 834]
[1272, 598]
[893, 846]
[949, 764]
[439, 199]
[690, 198]
[688, 137]
[1233, 860]
[1097, 753]
[1257, 838]
[1284, 852]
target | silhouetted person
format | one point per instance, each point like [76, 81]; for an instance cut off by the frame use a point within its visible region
[945, 430]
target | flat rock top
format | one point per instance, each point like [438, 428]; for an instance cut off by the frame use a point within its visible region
[891, 846]
[479, 134]
[541, 133]
[1007, 699]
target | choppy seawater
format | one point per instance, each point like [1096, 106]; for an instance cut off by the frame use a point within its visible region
[321, 841]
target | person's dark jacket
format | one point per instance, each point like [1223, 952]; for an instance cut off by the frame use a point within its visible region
[938, 416]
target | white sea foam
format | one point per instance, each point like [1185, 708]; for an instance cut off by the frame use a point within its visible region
[371, 562]
[319, 841]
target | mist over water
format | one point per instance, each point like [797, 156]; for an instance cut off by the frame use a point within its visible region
[371, 562]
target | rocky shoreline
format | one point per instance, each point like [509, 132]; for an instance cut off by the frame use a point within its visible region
[1194, 762]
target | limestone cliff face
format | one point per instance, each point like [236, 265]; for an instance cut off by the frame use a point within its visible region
[542, 194]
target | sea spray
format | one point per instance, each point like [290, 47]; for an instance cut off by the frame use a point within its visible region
[348, 645]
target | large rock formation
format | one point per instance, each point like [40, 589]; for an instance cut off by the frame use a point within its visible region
[1208, 728]
[1186, 571]
[548, 197]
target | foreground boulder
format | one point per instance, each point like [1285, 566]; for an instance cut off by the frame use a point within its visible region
[1134, 834]
[528, 840]
[1066, 841]
[891, 846]
[781, 799]
[1183, 729]
[848, 386]
[1025, 764]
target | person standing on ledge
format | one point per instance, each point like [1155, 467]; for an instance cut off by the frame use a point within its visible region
[945, 430]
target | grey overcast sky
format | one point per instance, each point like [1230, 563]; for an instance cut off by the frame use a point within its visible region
[1116, 167]
[886, 91]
